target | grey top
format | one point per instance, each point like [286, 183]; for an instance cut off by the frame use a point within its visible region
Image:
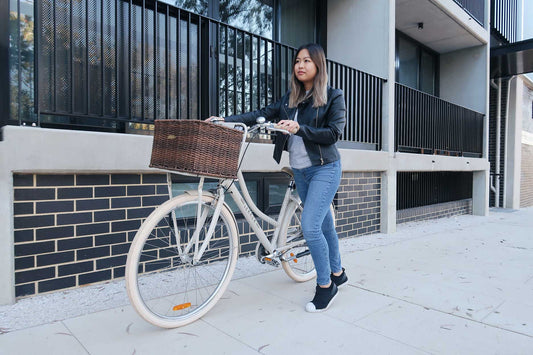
[298, 157]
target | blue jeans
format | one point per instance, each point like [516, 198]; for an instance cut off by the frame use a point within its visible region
[317, 186]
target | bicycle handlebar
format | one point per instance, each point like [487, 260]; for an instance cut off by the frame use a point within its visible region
[269, 126]
[272, 127]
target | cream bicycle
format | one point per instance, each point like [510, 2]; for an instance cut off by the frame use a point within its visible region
[184, 255]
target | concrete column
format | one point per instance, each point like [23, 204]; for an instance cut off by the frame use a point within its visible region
[361, 34]
[388, 201]
[513, 145]
[7, 266]
[480, 193]
[389, 177]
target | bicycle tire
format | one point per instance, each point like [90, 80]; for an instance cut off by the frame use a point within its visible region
[165, 287]
[302, 268]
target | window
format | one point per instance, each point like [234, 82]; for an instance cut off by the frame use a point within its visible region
[266, 189]
[408, 63]
[298, 22]
[253, 16]
[416, 65]
[297, 18]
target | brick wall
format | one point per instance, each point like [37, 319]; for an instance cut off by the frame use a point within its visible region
[74, 229]
[357, 206]
[440, 210]
[526, 176]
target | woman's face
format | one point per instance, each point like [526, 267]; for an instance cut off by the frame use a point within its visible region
[305, 69]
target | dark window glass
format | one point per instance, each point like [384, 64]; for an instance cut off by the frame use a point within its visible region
[427, 73]
[267, 190]
[197, 6]
[408, 63]
[21, 60]
[416, 66]
[250, 15]
[179, 188]
[297, 22]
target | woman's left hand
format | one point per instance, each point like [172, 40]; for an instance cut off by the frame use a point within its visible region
[291, 126]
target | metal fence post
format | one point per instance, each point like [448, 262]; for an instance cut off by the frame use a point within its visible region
[4, 66]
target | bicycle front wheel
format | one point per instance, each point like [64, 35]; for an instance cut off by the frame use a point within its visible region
[171, 280]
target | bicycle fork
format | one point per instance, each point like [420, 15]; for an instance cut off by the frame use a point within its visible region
[201, 217]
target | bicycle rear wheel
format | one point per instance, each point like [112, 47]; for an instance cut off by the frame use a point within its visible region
[298, 264]
[165, 285]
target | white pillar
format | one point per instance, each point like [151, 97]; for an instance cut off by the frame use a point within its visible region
[513, 145]
[7, 264]
[480, 193]
[388, 180]
[361, 34]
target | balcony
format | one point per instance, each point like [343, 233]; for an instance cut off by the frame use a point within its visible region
[426, 124]
[119, 65]
[474, 8]
[503, 19]
[445, 28]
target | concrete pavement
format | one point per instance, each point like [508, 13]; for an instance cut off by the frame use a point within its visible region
[460, 285]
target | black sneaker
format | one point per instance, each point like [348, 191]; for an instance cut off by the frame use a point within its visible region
[339, 280]
[323, 298]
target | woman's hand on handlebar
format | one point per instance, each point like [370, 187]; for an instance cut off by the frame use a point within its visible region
[214, 118]
[291, 126]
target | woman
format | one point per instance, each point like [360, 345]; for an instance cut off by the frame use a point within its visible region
[315, 115]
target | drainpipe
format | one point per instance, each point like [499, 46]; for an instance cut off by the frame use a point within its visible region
[495, 185]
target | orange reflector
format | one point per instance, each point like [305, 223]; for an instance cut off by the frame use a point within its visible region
[268, 259]
[295, 260]
[181, 306]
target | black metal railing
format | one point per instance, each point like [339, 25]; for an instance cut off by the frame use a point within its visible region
[417, 189]
[4, 65]
[503, 19]
[476, 8]
[363, 93]
[429, 125]
[118, 65]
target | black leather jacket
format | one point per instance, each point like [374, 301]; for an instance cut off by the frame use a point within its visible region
[320, 127]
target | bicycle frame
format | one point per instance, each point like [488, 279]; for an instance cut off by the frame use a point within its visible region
[246, 206]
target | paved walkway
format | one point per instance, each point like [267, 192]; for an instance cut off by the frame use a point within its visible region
[461, 285]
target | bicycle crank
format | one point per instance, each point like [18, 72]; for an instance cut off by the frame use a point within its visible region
[264, 257]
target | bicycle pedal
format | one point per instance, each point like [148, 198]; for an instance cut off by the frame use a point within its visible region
[269, 261]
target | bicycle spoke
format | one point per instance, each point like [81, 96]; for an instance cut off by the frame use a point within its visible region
[171, 285]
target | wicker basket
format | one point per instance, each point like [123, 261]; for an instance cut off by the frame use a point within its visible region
[196, 147]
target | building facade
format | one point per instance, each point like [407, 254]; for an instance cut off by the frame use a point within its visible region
[86, 80]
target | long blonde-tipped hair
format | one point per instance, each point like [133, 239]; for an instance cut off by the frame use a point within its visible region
[320, 83]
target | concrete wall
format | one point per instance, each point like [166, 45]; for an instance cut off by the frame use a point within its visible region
[464, 78]
[361, 34]
[527, 99]
[526, 140]
[358, 34]
[51, 151]
[526, 174]
[513, 148]
[48, 151]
